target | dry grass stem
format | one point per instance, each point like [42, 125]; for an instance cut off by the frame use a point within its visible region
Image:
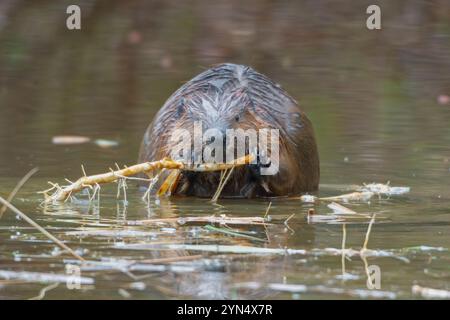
[221, 220]
[354, 196]
[43, 292]
[17, 188]
[344, 238]
[223, 182]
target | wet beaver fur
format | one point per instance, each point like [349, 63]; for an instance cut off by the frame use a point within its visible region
[236, 96]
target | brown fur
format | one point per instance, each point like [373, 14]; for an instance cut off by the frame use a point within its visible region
[240, 98]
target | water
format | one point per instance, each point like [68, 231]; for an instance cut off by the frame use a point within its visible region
[371, 95]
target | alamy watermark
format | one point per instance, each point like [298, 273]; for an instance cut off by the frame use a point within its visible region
[373, 277]
[373, 22]
[73, 21]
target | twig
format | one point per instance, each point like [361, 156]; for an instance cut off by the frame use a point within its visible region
[17, 188]
[222, 220]
[340, 209]
[366, 240]
[364, 249]
[170, 259]
[267, 210]
[62, 193]
[84, 171]
[221, 186]
[232, 232]
[42, 230]
[44, 291]
[344, 237]
[265, 219]
[286, 223]
[169, 184]
[354, 196]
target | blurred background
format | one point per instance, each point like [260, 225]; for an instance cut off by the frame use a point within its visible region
[378, 99]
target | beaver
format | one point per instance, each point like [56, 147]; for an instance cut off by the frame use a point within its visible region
[231, 96]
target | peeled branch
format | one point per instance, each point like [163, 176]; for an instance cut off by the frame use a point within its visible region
[64, 192]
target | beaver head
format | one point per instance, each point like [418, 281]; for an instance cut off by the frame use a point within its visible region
[236, 97]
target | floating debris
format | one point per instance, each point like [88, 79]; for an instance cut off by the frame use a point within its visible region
[127, 266]
[363, 193]
[340, 209]
[43, 277]
[383, 189]
[124, 293]
[221, 220]
[137, 286]
[111, 233]
[300, 288]
[44, 291]
[354, 196]
[443, 99]
[424, 249]
[430, 293]
[324, 218]
[260, 250]
[67, 140]
[103, 143]
[212, 248]
[307, 198]
[232, 232]
[163, 268]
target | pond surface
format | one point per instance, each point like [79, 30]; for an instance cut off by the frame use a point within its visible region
[377, 99]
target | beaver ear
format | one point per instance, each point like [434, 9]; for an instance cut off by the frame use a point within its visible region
[295, 119]
[180, 108]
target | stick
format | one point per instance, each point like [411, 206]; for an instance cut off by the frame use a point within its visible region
[286, 223]
[222, 220]
[222, 185]
[17, 188]
[344, 237]
[354, 196]
[364, 249]
[42, 230]
[62, 193]
[366, 240]
[231, 232]
[268, 209]
[43, 291]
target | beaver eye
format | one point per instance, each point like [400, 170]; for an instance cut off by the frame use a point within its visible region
[236, 118]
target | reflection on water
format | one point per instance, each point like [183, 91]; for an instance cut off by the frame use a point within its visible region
[373, 97]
